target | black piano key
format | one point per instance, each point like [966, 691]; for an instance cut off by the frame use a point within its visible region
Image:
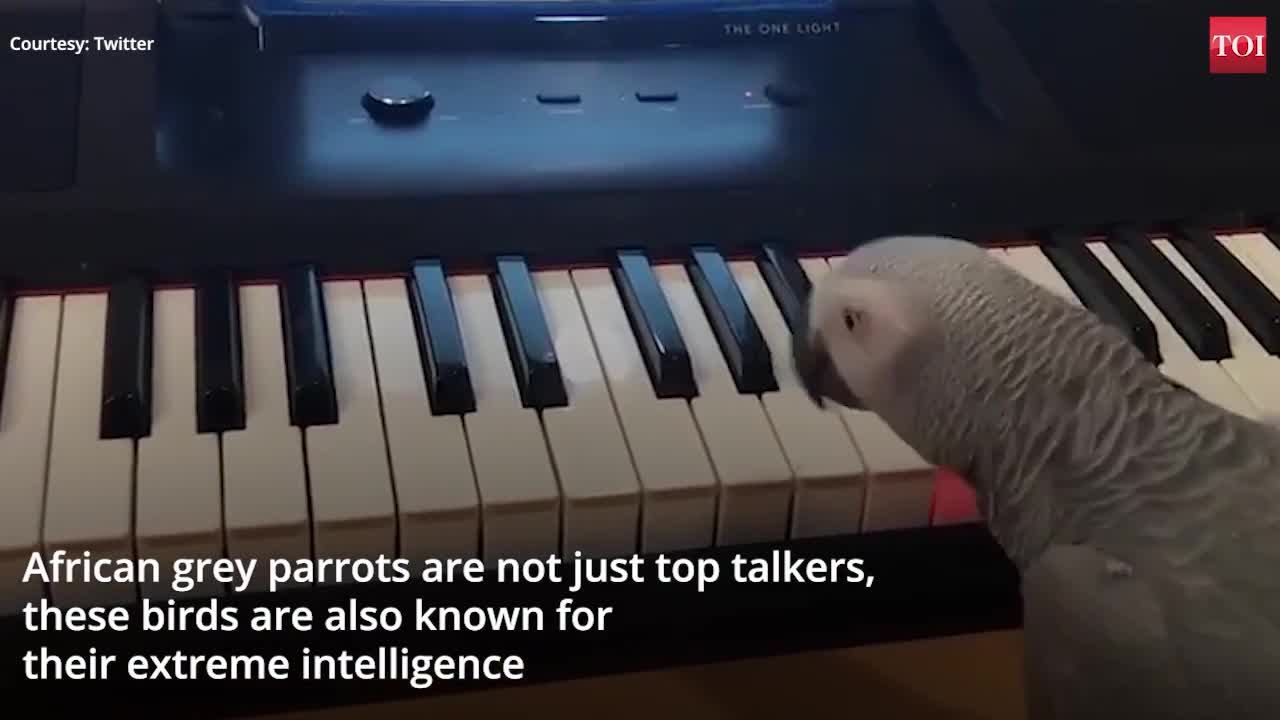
[313, 399]
[219, 373]
[786, 280]
[533, 354]
[6, 330]
[1241, 291]
[126, 361]
[1187, 310]
[1101, 293]
[665, 355]
[444, 358]
[731, 320]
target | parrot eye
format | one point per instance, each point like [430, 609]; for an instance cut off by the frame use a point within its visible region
[850, 319]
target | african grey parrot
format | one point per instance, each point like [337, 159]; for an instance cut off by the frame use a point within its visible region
[1145, 521]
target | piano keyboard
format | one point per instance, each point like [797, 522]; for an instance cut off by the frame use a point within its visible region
[639, 407]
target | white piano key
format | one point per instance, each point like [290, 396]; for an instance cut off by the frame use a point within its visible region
[1261, 257]
[1032, 262]
[435, 488]
[1181, 364]
[756, 485]
[353, 512]
[675, 474]
[1203, 377]
[1253, 250]
[830, 476]
[900, 483]
[264, 478]
[24, 442]
[1173, 348]
[1250, 366]
[1219, 388]
[179, 483]
[1257, 253]
[519, 496]
[89, 495]
[1265, 257]
[601, 493]
[1241, 341]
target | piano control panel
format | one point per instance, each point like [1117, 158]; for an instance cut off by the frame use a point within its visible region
[503, 99]
[401, 100]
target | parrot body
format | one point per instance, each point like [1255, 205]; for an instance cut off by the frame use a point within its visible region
[1145, 520]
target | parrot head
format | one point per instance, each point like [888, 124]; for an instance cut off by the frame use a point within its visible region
[952, 348]
[871, 322]
[857, 328]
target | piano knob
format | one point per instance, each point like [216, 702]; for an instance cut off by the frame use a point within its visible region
[398, 101]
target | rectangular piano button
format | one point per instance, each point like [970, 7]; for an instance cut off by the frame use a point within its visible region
[437, 506]
[537, 369]
[89, 491]
[313, 399]
[830, 475]
[755, 482]
[1100, 293]
[787, 281]
[1189, 313]
[219, 373]
[24, 441]
[657, 97]
[126, 370]
[264, 479]
[735, 329]
[663, 349]
[559, 98]
[519, 495]
[597, 480]
[1247, 297]
[676, 476]
[900, 483]
[353, 512]
[444, 363]
[178, 507]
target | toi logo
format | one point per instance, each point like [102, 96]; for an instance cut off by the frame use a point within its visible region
[1238, 45]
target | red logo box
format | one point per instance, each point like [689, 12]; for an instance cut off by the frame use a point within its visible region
[1237, 45]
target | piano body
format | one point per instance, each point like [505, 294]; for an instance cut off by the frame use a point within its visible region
[503, 279]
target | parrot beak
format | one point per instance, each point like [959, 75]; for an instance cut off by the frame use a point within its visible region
[814, 367]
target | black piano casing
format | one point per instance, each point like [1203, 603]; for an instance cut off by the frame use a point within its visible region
[990, 121]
